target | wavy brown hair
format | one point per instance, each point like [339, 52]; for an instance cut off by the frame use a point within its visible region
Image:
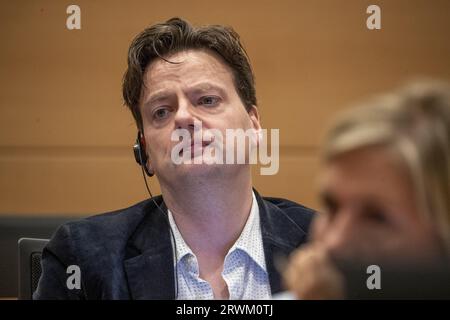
[162, 40]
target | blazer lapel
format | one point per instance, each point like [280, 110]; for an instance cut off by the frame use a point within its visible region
[149, 262]
[281, 235]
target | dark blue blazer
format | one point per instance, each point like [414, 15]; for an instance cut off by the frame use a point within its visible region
[127, 254]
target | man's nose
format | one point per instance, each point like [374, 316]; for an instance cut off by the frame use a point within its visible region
[185, 115]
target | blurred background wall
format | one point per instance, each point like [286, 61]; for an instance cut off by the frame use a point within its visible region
[65, 137]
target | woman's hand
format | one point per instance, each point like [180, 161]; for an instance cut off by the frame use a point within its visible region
[311, 275]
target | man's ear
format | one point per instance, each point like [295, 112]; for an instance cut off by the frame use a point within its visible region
[148, 164]
[254, 118]
[149, 167]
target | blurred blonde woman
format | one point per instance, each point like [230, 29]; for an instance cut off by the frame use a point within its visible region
[384, 186]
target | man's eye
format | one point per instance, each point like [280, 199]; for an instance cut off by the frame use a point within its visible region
[161, 113]
[209, 101]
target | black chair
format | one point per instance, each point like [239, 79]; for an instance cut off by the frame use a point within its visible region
[12, 228]
[30, 252]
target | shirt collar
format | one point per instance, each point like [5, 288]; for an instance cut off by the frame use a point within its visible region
[250, 240]
[182, 249]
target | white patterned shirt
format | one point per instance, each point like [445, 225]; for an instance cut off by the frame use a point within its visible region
[244, 268]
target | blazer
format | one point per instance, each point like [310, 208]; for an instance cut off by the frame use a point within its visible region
[127, 254]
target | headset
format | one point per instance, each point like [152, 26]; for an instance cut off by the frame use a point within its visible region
[141, 157]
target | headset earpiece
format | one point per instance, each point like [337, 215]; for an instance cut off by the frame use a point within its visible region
[140, 155]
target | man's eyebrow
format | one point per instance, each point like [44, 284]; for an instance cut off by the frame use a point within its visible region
[206, 86]
[196, 88]
[158, 96]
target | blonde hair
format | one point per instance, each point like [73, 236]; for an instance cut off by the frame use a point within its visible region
[415, 123]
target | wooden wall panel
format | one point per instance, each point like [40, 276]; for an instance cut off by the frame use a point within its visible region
[70, 180]
[296, 180]
[65, 137]
[80, 181]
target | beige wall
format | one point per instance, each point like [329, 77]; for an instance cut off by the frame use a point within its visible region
[65, 138]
